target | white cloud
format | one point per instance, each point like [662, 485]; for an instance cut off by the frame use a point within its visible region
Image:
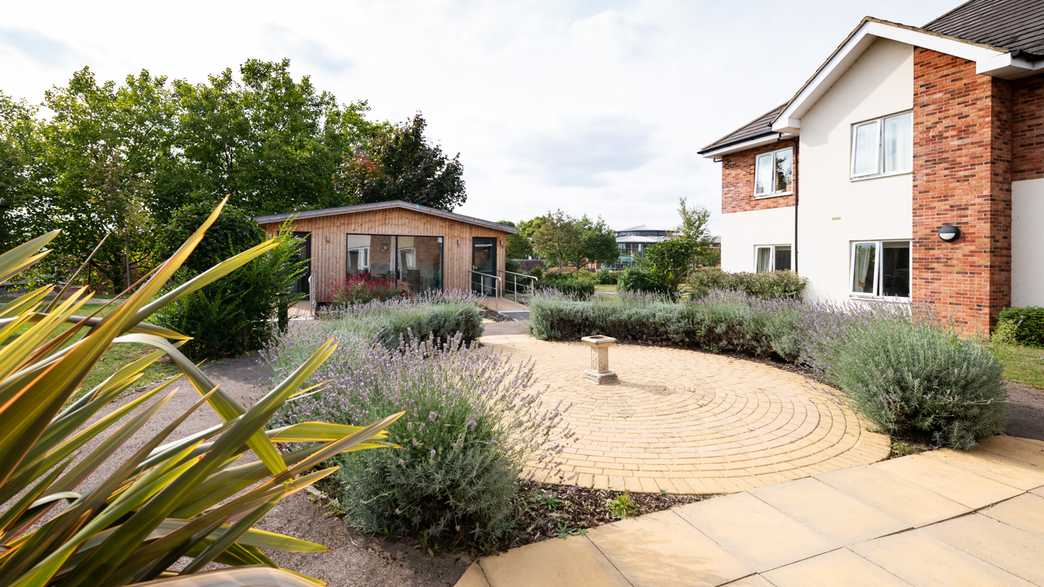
[593, 107]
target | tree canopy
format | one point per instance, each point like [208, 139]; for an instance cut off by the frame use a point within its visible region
[119, 159]
[561, 239]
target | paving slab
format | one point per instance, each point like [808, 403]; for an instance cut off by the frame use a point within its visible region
[828, 511]
[960, 485]
[837, 567]
[473, 577]
[1024, 449]
[754, 531]
[912, 503]
[1025, 512]
[751, 581]
[1001, 469]
[1016, 551]
[571, 561]
[919, 559]
[663, 549]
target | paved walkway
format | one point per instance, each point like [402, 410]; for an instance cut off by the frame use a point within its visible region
[683, 421]
[938, 518]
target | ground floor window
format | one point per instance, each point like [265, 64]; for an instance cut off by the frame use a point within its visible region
[412, 262]
[772, 258]
[881, 268]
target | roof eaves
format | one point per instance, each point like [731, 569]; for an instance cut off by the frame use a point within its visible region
[374, 206]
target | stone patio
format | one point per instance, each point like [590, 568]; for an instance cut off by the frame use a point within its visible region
[937, 518]
[683, 421]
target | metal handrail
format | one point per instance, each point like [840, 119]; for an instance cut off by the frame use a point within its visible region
[514, 283]
[498, 285]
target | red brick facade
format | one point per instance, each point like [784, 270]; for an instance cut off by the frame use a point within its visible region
[962, 175]
[1027, 129]
[737, 180]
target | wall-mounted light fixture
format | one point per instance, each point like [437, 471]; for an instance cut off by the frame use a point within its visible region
[949, 232]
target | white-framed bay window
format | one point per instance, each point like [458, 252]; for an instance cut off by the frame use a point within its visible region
[772, 258]
[881, 269]
[774, 173]
[882, 146]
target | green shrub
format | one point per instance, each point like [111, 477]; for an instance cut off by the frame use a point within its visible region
[917, 380]
[607, 277]
[438, 322]
[579, 285]
[670, 261]
[472, 422]
[236, 314]
[770, 285]
[1026, 324]
[641, 280]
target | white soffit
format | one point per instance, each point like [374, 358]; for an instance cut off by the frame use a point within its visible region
[988, 60]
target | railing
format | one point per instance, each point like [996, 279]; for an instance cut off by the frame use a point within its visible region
[519, 284]
[486, 284]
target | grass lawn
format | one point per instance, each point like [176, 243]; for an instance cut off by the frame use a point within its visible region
[1022, 364]
[119, 355]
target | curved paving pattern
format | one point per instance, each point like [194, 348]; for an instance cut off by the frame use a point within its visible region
[689, 422]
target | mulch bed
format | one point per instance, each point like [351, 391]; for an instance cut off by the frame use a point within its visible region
[555, 511]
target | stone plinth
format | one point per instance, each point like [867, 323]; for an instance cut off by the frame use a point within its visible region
[599, 370]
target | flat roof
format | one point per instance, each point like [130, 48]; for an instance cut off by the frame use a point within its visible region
[274, 218]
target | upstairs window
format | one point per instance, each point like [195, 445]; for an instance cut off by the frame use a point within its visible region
[772, 258]
[774, 173]
[883, 146]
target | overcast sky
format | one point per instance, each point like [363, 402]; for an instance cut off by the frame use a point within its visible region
[591, 107]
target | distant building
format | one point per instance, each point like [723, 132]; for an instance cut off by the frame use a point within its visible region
[633, 241]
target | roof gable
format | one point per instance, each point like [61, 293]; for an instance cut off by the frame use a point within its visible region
[277, 218]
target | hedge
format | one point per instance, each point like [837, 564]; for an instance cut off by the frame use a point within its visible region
[1023, 325]
[769, 285]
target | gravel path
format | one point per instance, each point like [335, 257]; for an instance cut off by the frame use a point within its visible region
[1025, 411]
[353, 559]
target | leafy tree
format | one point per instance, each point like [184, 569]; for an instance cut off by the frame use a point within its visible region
[598, 241]
[561, 239]
[694, 229]
[20, 185]
[518, 244]
[398, 163]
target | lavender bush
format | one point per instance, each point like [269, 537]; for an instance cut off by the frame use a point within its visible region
[473, 420]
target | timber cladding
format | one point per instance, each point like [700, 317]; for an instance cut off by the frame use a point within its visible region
[330, 245]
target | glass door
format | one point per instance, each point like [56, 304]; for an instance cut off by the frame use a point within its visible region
[484, 265]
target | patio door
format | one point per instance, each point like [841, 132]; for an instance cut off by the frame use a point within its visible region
[484, 265]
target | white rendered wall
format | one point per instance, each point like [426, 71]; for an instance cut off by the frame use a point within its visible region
[742, 231]
[1027, 243]
[833, 210]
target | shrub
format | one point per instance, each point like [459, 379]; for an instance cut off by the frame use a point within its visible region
[170, 506]
[769, 285]
[472, 421]
[1025, 325]
[670, 261]
[437, 322]
[917, 380]
[364, 288]
[579, 285]
[234, 315]
[640, 280]
[607, 277]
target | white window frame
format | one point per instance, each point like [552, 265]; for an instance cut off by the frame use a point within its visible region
[878, 268]
[880, 172]
[772, 256]
[774, 193]
[364, 257]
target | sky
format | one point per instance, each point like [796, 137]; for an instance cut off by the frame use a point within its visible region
[590, 107]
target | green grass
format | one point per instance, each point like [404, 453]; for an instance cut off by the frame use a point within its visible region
[119, 355]
[1022, 364]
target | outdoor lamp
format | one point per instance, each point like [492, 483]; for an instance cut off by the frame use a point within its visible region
[949, 232]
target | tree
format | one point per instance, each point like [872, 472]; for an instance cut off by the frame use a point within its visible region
[518, 244]
[694, 229]
[598, 241]
[20, 185]
[561, 239]
[398, 163]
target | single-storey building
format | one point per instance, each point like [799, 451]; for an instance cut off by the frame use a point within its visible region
[420, 248]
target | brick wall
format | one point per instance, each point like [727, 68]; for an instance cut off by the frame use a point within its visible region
[1027, 128]
[737, 180]
[962, 175]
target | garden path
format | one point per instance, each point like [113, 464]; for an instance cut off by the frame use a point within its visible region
[684, 421]
[936, 518]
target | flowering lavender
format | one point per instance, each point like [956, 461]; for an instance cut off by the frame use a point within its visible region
[473, 420]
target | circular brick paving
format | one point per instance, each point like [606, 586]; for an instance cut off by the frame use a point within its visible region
[689, 422]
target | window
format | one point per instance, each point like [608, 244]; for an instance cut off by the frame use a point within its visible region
[883, 146]
[413, 262]
[772, 258]
[774, 173]
[881, 269]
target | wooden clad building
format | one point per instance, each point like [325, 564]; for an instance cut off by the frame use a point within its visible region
[418, 247]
